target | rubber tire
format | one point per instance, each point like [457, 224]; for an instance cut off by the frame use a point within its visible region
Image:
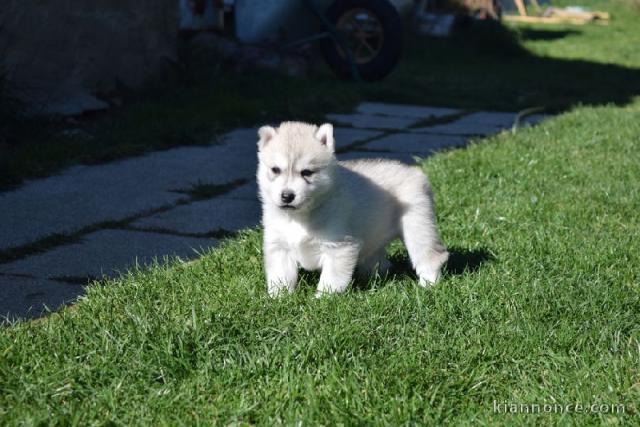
[391, 50]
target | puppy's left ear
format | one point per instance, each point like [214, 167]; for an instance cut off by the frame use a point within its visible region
[266, 134]
[324, 134]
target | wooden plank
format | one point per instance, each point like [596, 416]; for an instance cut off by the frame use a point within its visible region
[542, 19]
[553, 20]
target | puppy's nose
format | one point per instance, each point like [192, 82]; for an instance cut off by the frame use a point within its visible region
[287, 196]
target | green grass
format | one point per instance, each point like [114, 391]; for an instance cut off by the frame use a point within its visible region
[482, 67]
[540, 304]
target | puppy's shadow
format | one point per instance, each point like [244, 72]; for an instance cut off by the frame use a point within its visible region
[463, 260]
[460, 261]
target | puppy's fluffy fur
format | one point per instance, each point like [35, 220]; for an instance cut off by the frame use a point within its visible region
[319, 213]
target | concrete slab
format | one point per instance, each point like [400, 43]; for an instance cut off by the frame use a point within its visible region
[357, 155]
[248, 191]
[245, 140]
[497, 118]
[205, 216]
[402, 110]
[86, 195]
[418, 144]
[534, 119]
[106, 253]
[24, 297]
[371, 121]
[347, 136]
[482, 123]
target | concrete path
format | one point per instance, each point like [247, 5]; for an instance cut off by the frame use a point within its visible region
[90, 222]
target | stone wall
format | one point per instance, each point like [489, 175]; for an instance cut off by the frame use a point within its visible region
[51, 49]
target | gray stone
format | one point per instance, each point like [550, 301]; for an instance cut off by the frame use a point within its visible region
[86, 195]
[420, 144]
[25, 297]
[534, 119]
[358, 155]
[248, 191]
[413, 111]
[371, 121]
[483, 123]
[496, 118]
[107, 253]
[245, 140]
[347, 136]
[66, 101]
[205, 216]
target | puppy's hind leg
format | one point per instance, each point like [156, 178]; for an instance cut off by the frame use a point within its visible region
[421, 238]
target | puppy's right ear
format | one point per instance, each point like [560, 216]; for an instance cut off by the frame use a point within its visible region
[324, 134]
[266, 134]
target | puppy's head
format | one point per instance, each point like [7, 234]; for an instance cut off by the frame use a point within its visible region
[295, 164]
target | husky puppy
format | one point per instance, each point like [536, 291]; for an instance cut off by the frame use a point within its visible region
[319, 213]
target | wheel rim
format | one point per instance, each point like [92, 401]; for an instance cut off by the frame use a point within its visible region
[362, 32]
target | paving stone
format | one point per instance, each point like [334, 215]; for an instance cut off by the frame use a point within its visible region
[497, 117]
[85, 195]
[414, 111]
[419, 144]
[243, 140]
[24, 297]
[205, 216]
[534, 119]
[356, 155]
[371, 121]
[347, 136]
[482, 123]
[248, 191]
[107, 252]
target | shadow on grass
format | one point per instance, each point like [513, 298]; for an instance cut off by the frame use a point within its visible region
[537, 34]
[486, 66]
[461, 261]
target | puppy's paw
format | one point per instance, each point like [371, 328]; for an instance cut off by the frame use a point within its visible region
[429, 278]
[277, 291]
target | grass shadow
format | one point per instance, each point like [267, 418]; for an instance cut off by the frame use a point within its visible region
[538, 34]
[486, 66]
[463, 260]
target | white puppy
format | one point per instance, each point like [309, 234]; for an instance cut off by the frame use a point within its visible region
[319, 213]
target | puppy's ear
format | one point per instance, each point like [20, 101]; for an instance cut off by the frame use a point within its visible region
[266, 134]
[324, 134]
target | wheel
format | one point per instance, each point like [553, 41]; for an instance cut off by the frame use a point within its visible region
[372, 30]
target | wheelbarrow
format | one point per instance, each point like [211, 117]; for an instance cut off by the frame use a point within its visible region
[360, 39]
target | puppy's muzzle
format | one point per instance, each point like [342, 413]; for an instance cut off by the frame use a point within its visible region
[287, 196]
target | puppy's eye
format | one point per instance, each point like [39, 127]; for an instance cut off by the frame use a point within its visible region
[275, 170]
[306, 173]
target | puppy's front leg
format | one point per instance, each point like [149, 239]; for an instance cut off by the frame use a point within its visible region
[338, 264]
[281, 270]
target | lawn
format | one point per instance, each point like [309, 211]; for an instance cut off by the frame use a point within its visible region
[539, 304]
